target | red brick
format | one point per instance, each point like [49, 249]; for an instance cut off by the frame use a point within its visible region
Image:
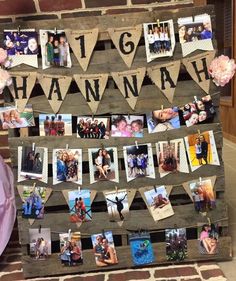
[10, 267]
[97, 277]
[192, 279]
[17, 7]
[14, 258]
[123, 11]
[104, 3]
[207, 274]
[51, 5]
[175, 272]
[51, 279]
[148, 1]
[131, 275]
[81, 14]
[5, 153]
[13, 276]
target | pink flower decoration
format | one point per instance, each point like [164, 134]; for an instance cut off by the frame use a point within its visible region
[3, 55]
[222, 69]
[5, 79]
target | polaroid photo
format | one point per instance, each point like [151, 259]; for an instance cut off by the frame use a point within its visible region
[139, 161]
[40, 243]
[176, 244]
[33, 202]
[201, 150]
[55, 49]
[158, 203]
[163, 120]
[117, 205]
[21, 46]
[141, 248]
[55, 125]
[93, 128]
[11, 117]
[195, 33]
[203, 195]
[80, 205]
[171, 157]
[71, 249]
[127, 126]
[208, 239]
[201, 110]
[103, 164]
[32, 163]
[159, 39]
[67, 165]
[104, 249]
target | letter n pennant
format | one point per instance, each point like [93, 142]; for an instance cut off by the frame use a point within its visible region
[165, 77]
[129, 83]
[55, 88]
[92, 88]
[126, 41]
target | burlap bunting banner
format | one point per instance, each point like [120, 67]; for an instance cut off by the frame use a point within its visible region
[126, 41]
[129, 83]
[197, 67]
[165, 77]
[92, 88]
[82, 43]
[55, 88]
[22, 86]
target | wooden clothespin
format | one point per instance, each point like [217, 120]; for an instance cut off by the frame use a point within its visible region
[195, 98]
[162, 107]
[155, 188]
[79, 188]
[34, 186]
[92, 117]
[102, 146]
[136, 143]
[158, 23]
[116, 189]
[209, 220]
[33, 146]
[67, 146]
[40, 228]
[200, 180]
[69, 234]
[18, 29]
[198, 132]
[55, 30]
[128, 116]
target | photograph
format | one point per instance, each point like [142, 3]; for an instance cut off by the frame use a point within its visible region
[80, 205]
[117, 205]
[33, 202]
[40, 243]
[163, 120]
[55, 125]
[158, 203]
[32, 164]
[55, 49]
[201, 110]
[93, 128]
[171, 157]
[104, 249]
[201, 149]
[67, 165]
[127, 126]
[11, 117]
[203, 195]
[141, 248]
[176, 244]
[159, 39]
[103, 164]
[139, 161]
[70, 248]
[208, 236]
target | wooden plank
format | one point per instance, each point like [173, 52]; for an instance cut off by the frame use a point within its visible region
[34, 268]
[185, 216]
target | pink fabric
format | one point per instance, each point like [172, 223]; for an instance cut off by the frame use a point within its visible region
[7, 204]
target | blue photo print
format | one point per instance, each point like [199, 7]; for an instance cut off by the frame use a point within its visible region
[80, 205]
[141, 248]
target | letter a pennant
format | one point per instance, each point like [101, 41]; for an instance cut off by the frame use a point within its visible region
[55, 88]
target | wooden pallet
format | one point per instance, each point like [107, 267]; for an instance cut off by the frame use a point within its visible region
[57, 215]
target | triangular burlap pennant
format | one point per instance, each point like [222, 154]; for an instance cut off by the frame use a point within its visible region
[65, 193]
[55, 88]
[186, 185]
[197, 67]
[165, 77]
[126, 41]
[130, 195]
[92, 87]
[22, 86]
[129, 83]
[82, 43]
[20, 189]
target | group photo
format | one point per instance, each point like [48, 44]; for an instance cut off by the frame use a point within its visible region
[40, 243]
[208, 239]
[176, 244]
[93, 128]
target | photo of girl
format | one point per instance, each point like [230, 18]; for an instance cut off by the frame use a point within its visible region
[208, 239]
[80, 205]
[104, 249]
[176, 244]
[103, 164]
[40, 243]
[127, 126]
[93, 128]
[67, 165]
[55, 49]
[159, 39]
[55, 125]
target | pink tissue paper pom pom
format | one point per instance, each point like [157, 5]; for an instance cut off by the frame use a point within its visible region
[3, 55]
[5, 79]
[222, 69]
